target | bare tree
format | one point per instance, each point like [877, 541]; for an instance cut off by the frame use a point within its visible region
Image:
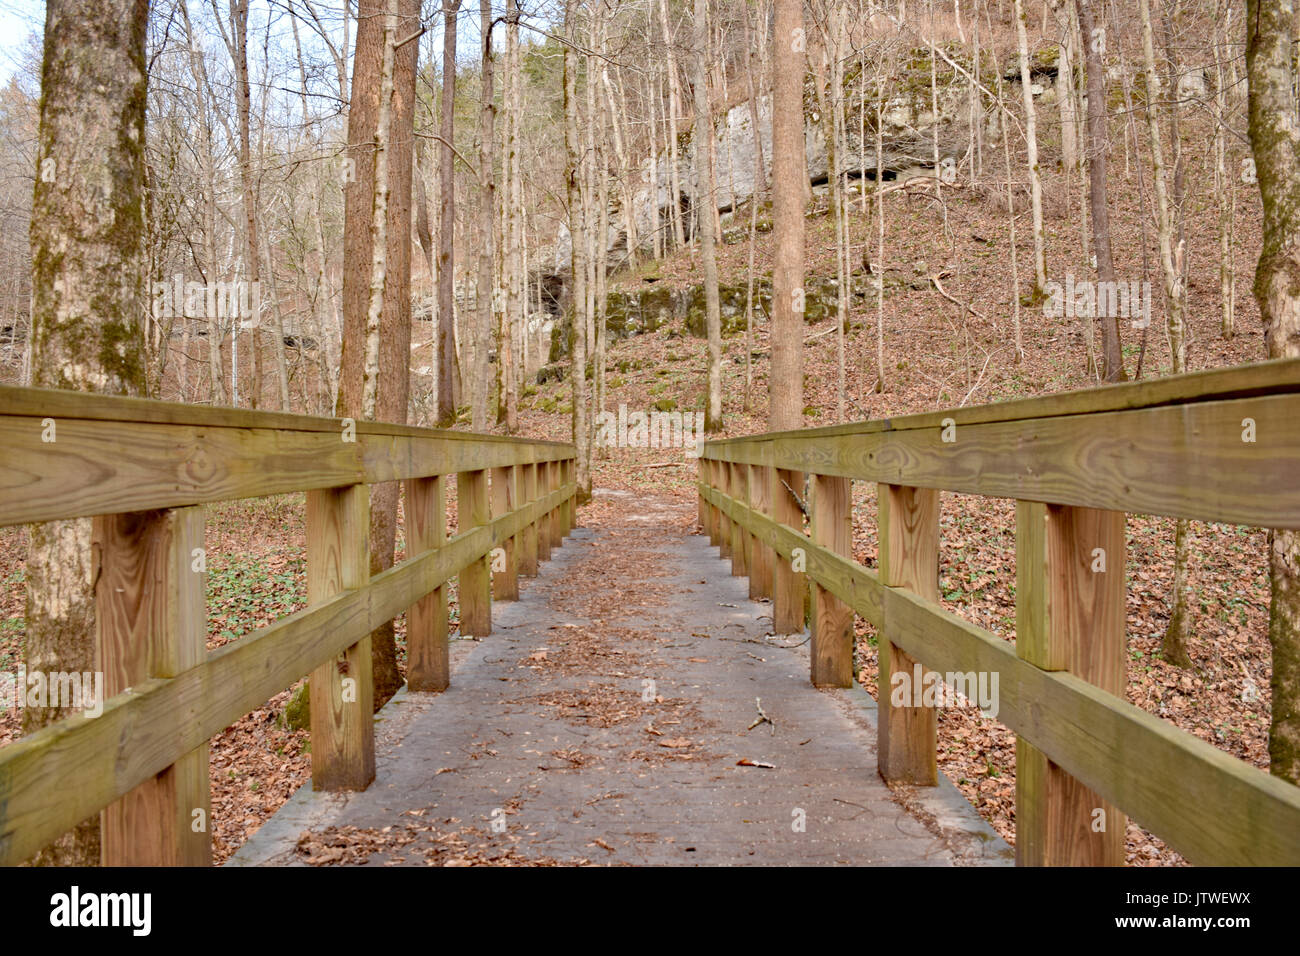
[1031, 146]
[88, 298]
[1275, 141]
[785, 378]
[1099, 203]
[705, 207]
[448, 390]
[578, 254]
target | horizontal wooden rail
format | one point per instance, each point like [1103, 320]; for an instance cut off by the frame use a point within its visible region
[69, 455]
[1186, 461]
[1208, 805]
[58, 776]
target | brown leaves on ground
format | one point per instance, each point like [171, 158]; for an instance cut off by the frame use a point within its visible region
[412, 843]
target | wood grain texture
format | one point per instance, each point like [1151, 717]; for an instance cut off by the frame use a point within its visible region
[907, 735]
[1181, 460]
[831, 654]
[738, 482]
[528, 535]
[505, 583]
[724, 520]
[92, 468]
[545, 487]
[428, 666]
[762, 556]
[789, 587]
[341, 689]
[475, 590]
[1069, 616]
[716, 482]
[557, 514]
[149, 727]
[1281, 377]
[151, 622]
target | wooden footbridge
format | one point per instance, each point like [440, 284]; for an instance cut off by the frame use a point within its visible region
[1219, 446]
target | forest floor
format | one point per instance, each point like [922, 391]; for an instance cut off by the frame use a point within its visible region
[937, 354]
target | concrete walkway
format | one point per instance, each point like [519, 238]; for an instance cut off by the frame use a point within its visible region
[603, 721]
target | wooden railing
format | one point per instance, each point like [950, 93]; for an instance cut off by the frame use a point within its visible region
[143, 470]
[1218, 446]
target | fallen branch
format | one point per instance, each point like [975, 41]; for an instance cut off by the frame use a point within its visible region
[964, 305]
[762, 717]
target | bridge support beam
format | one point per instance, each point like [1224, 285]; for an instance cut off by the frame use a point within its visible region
[527, 484]
[556, 479]
[722, 477]
[475, 578]
[542, 482]
[505, 498]
[832, 620]
[713, 519]
[762, 557]
[907, 735]
[1069, 617]
[789, 592]
[738, 481]
[428, 667]
[342, 692]
[150, 621]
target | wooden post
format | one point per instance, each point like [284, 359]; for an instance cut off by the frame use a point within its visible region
[701, 506]
[505, 582]
[342, 691]
[909, 558]
[739, 481]
[762, 557]
[712, 523]
[557, 513]
[475, 578]
[543, 520]
[788, 589]
[724, 521]
[427, 667]
[569, 511]
[1069, 616]
[528, 538]
[150, 621]
[832, 620]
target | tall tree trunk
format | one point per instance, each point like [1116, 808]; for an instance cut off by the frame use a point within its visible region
[578, 256]
[514, 318]
[674, 107]
[1099, 204]
[1173, 646]
[1275, 142]
[237, 44]
[1224, 193]
[481, 383]
[705, 206]
[1031, 146]
[785, 378]
[88, 297]
[374, 378]
[448, 394]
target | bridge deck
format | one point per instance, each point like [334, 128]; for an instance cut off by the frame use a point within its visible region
[552, 728]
